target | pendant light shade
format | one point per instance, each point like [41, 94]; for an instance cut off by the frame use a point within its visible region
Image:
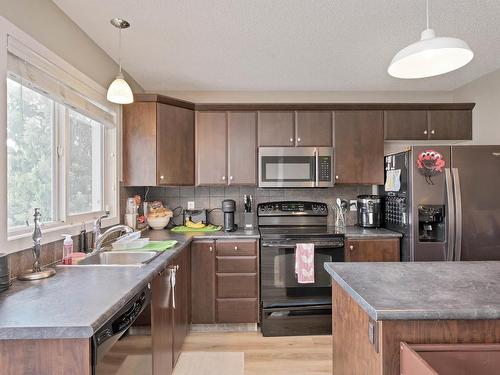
[119, 91]
[430, 56]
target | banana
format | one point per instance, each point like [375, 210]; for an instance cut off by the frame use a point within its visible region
[197, 225]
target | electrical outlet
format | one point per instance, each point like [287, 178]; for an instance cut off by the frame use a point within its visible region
[190, 205]
[353, 205]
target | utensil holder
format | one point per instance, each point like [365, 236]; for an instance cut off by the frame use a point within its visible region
[249, 220]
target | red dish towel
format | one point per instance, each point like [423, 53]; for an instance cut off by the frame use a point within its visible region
[304, 263]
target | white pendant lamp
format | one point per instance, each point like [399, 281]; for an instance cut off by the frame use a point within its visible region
[430, 56]
[119, 91]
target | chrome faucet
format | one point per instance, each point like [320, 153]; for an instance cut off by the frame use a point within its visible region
[99, 237]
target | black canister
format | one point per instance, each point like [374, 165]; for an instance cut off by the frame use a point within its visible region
[4, 272]
[229, 207]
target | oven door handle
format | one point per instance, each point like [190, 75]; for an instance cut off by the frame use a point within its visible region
[316, 245]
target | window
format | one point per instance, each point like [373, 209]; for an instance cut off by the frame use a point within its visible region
[44, 136]
[30, 156]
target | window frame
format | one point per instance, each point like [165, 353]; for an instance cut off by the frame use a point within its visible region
[110, 148]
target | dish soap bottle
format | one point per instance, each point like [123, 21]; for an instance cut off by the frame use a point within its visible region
[67, 249]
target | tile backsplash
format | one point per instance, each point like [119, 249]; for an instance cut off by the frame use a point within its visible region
[211, 197]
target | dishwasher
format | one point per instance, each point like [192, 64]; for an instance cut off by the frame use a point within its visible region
[114, 328]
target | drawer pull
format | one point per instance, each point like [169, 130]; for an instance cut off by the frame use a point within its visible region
[351, 247]
[211, 249]
[236, 248]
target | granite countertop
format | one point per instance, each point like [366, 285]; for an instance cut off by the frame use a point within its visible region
[78, 300]
[356, 232]
[422, 290]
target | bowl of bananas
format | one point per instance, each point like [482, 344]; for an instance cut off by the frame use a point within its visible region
[158, 216]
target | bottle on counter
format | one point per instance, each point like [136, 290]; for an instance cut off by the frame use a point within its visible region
[67, 249]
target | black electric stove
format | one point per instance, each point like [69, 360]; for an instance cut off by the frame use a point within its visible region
[287, 307]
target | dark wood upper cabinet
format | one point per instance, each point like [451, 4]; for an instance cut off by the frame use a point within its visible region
[405, 125]
[203, 282]
[314, 128]
[211, 140]
[450, 125]
[381, 250]
[276, 128]
[242, 148]
[158, 144]
[359, 147]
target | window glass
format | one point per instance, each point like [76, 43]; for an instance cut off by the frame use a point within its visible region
[84, 164]
[30, 156]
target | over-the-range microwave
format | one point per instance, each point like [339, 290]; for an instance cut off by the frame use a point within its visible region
[284, 167]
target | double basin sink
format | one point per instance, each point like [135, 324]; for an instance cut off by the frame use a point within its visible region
[119, 258]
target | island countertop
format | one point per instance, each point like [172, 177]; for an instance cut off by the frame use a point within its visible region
[77, 301]
[422, 290]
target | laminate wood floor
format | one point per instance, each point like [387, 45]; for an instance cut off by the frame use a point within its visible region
[304, 355]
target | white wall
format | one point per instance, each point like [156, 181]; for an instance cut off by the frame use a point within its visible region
[310, 96]
[485, 92]
[50, 26]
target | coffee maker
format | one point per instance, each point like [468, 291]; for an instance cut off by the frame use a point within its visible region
[229, 207]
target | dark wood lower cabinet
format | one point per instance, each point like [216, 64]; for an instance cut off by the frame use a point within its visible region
[372, 250]
[162, 323]
[170, 307]
[203, 282]
[225, 281]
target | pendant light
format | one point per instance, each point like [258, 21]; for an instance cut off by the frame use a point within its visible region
[430, 56]
[119, 91]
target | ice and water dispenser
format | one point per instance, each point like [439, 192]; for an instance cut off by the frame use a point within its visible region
[431, 223]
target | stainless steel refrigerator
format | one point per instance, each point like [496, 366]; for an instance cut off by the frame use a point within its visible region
[445, 200]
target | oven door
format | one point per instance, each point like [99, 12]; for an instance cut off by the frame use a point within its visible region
[295, 166]
[279, 286]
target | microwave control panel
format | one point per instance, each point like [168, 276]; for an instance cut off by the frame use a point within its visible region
[325, 168]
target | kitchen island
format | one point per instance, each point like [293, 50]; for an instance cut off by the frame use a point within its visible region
[376, 306]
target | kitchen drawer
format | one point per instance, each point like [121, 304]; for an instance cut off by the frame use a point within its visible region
[236, 248]
[245, 264]
[237, 310]
[236, 285]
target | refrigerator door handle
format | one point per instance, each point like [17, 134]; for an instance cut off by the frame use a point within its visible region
[458, 214]
[450, 202]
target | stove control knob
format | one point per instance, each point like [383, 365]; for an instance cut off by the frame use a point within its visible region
[322, 208]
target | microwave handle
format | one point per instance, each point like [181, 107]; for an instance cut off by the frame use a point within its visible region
[316, 172]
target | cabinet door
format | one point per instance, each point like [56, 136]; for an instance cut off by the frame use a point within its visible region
[139, 144]
[405, 125]
[175, 145]
[211, 148]
[180, 302]
[450, 125]
[162, 323]
[242, 148]
[203, 282]
[359, 147]
[382, 250]
[314, 128]
[276, 128]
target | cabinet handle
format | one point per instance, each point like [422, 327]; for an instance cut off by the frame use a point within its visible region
[291, 140]
[298, 139]
[236, 248]
[211, 249]
[351, 247]
[433, 132]
[230, 178]
[425, 132]
[162, 177]
[336, 177]
[223, 178]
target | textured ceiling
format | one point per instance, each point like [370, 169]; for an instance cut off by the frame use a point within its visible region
[284, 44]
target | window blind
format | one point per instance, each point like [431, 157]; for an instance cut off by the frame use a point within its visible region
[35, 72]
